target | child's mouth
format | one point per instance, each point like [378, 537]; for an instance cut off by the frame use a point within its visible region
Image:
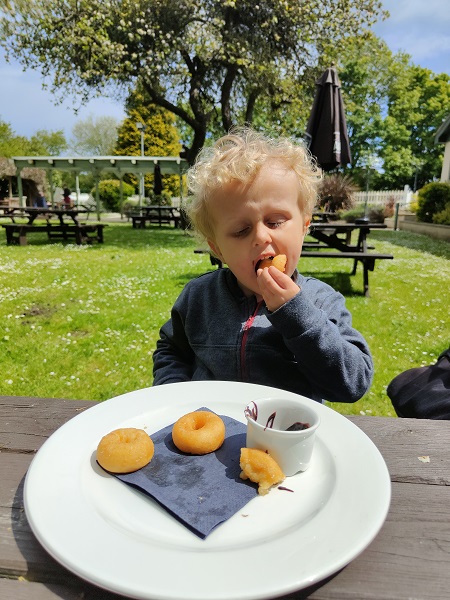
[278, 261]
[263, 262]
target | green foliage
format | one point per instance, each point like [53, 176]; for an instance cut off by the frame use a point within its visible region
[109, 193]
[210, 62]
[95, 136]
[432, 199]
[47, 143]
[42, 143]
[161, 138]
[393, 111]
[350, 216]
[443, 217]
[163, 199]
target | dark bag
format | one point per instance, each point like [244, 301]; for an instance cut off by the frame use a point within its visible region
[423, 392]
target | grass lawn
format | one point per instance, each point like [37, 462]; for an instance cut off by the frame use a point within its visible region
[82, 322]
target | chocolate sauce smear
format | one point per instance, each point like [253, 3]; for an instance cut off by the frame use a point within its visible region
[252, 413]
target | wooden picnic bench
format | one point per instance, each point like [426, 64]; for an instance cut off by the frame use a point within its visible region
[366, 258]
[162, 215]
[82, 233]
[213, 259]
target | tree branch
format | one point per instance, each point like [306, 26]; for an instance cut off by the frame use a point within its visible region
[225, 96]
[251, 105]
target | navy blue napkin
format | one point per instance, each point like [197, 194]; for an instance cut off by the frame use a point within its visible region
[200, 491]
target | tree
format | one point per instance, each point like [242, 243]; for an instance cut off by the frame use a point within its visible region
[42, 143]
[210, 62]
[95, 136]
[10, 143]
[393, 111]
[161, 137]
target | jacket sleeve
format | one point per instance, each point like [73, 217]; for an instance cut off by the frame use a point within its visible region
[331, 354]
[173, 357]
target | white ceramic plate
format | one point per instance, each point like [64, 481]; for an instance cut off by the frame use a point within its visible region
[121, 540]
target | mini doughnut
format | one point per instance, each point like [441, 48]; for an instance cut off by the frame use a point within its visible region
[125, 450]
[278, 261]
[199, 432]
[261, 468]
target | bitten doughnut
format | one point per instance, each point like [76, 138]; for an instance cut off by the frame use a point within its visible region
[199, 432]
[125, 450]
[278, 261]
[260, 467]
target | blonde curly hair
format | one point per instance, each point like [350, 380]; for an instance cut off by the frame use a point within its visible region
[239, 156]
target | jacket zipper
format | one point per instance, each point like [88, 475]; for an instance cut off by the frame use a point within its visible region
[247, 325]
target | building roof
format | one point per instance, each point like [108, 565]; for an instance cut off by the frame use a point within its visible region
[443, 133]
[170, 165]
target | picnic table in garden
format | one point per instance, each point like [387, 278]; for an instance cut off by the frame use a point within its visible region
[334, 240]
[57, 223]
[408, 558]
[155, 213]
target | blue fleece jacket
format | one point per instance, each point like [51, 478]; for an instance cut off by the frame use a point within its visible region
[307, 346]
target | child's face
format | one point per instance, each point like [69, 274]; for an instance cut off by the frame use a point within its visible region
[257, 220]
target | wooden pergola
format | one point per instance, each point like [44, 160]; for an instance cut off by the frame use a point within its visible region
[118, 165]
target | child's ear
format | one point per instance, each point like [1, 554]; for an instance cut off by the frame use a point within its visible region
[215, 250]
[306, 225]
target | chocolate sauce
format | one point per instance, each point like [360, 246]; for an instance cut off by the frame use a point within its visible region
[270, 420]
[285, 489]
[298, 426]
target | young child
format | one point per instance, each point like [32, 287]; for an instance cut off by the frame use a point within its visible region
[252, 198]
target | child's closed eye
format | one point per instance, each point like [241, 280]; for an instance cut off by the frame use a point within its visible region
[276, 223]
[241, 232]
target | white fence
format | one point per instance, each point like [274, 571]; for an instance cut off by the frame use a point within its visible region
[402, 197]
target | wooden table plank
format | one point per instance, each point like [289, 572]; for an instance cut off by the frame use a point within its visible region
[11, 589]
[24, 430]
[416, 438]
[410, 557]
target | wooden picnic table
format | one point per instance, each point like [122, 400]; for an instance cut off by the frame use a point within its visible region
[156, 213]
[59, 223]
[49, 213]
[409, 558]
[334, 240]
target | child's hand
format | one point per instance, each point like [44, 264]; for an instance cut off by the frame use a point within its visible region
[276, 288]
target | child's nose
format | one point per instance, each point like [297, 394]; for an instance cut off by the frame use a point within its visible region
[263, 234]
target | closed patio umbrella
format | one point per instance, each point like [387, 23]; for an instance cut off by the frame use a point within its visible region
[326, 133]
[157, 180]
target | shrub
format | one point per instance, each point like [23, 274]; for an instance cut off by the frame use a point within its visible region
[376, 214]
[109, 192]
[433, 199]
[336, 192]
[443, 217]
[130, 206]
[351, 215]
[163, 199]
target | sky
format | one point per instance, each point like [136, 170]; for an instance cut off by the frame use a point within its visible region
[419, 27]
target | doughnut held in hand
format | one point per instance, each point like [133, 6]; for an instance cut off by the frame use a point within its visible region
[125, 450]
[261, 468]
[199, 432]
[278, 261]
